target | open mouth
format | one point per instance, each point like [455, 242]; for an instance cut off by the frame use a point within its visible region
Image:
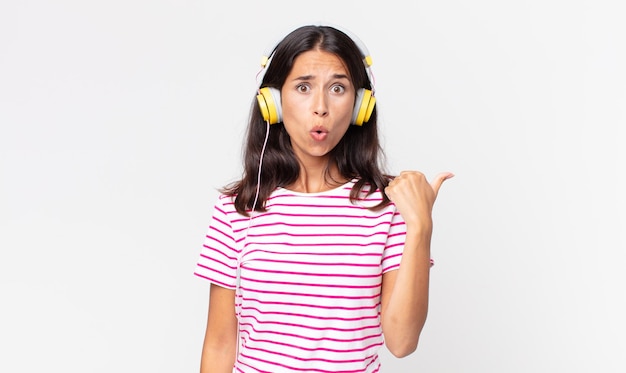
[318, 135]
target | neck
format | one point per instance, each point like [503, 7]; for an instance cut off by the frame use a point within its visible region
[317, 178]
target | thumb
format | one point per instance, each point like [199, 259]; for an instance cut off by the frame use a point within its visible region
[439, 179]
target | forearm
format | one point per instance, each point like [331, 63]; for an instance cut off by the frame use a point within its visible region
[404, 313]
[217, 358]
[220, 339]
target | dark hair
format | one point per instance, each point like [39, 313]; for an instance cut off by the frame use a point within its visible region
[357, 155]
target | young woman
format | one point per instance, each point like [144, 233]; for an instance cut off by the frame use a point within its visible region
[316, 257]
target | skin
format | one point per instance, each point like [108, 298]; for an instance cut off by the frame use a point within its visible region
[404, 296]
[218, 351]
[317, 99]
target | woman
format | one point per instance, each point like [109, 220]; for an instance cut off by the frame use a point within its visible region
[316, 257]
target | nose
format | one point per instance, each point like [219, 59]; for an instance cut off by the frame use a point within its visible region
[320, 104]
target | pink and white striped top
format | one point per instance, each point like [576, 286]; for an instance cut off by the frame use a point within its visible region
[310, 280]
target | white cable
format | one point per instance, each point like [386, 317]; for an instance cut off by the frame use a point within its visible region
[258, 179]
[245, 240]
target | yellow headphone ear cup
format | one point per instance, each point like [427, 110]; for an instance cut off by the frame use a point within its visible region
[263, 107]
[370, 109]
[269, 104]
[363, 106]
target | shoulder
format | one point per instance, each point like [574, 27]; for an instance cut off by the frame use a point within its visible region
[225, 203]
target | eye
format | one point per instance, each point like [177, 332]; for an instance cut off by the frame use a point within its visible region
[338, 88]
[303, 88]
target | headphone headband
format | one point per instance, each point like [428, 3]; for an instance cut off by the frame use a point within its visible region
[367, 58]
[268, 53]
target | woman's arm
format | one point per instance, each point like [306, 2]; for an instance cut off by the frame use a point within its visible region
[404, 294]
[220, 340]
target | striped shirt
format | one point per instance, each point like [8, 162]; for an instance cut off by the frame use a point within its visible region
[308, 299]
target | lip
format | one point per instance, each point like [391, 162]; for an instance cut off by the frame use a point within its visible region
[319, 133]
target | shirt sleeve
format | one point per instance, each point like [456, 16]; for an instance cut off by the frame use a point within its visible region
[392, 255]
[218, 257]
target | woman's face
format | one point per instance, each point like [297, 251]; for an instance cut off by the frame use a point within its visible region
[317, 103]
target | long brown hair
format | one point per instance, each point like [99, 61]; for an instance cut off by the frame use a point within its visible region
[358, 155]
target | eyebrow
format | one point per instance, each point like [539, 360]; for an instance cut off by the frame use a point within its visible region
[311, 77]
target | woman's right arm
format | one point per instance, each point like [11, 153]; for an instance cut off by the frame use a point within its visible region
[220, 340]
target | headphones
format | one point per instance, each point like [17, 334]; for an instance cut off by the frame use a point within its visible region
[268, 98]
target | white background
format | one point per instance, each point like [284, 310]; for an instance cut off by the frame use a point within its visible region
[120, 119]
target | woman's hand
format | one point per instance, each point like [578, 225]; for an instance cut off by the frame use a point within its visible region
[414, 197]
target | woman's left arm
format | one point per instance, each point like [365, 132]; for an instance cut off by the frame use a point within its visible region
[404, 294]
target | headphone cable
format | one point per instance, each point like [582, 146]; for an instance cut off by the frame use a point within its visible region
[245, 240]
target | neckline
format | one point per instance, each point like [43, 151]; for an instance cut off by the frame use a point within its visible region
[313, 194]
